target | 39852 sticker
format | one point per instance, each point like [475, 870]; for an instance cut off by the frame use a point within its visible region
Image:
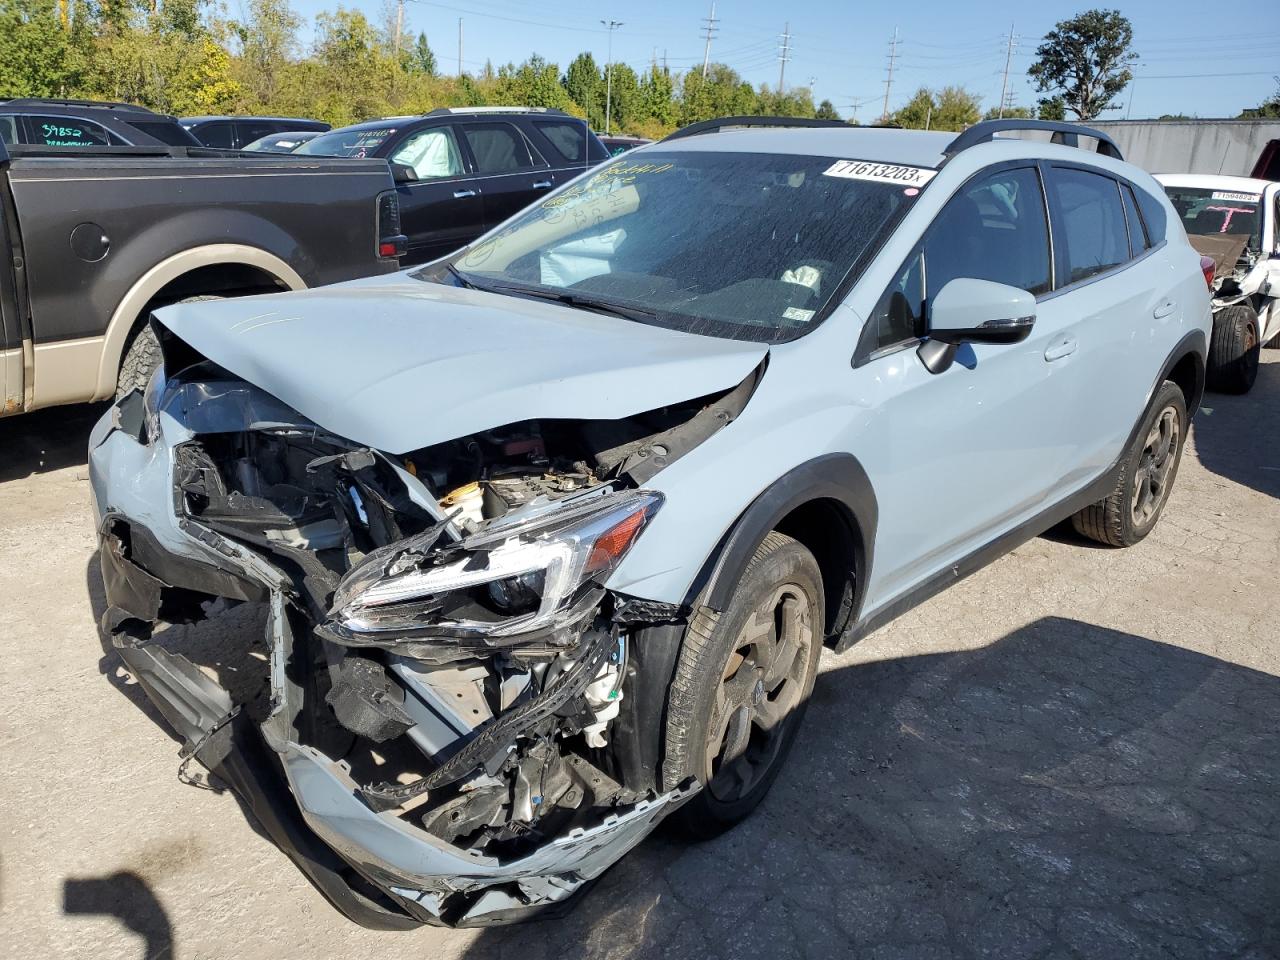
[875, 172]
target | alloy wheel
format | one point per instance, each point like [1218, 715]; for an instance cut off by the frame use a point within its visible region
[1155, 466]
[761, 687]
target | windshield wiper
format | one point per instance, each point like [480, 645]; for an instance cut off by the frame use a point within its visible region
[572, 299]
[457, 275]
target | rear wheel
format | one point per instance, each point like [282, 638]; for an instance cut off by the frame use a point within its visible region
[1233, 352]
[742, 684]
[142, 356]
[1146, 476]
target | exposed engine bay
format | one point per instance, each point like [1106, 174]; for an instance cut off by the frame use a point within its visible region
[443, 651]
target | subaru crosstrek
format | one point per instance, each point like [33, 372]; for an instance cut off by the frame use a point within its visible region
[547, 537]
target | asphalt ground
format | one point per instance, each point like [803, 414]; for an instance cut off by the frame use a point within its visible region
[1073, 753]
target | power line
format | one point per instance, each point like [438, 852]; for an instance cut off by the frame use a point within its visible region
[709, 23]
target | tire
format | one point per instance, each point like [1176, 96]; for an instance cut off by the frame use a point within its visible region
[1146, 476]
[1233, 350]
[1273, 312]
[142, 356]
[725, 697]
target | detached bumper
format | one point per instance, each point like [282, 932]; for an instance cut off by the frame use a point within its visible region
[375, 867]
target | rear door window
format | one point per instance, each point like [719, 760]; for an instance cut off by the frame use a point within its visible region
[66, 132]
[248, 131]
[1092, 228]
[433, 154]
[219, 134]
[568, 138]
[498, 148]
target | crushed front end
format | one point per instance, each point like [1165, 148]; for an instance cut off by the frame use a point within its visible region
[459, 723]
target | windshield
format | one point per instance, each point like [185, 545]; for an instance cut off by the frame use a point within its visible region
[348, 142]
[747, 246]
[167, 132]
[1208, 212]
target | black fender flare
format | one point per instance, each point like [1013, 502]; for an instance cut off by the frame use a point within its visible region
[1193, 344]
[837, 477]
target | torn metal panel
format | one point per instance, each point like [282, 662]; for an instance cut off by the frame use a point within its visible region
[450, 696]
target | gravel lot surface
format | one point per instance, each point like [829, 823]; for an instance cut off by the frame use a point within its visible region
[1074, 753]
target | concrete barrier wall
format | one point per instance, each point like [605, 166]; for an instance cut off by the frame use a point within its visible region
[1192, 146]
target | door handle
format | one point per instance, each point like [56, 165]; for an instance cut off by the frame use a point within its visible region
[542, 185]
[1062, 347]
[1164, 309]
[460, 194]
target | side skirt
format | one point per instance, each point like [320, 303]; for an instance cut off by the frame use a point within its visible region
[1027, 530]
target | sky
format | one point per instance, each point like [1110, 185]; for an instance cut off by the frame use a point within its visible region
[842, 49]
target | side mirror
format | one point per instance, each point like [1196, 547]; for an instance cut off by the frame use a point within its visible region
[974, 311]
[403, 173]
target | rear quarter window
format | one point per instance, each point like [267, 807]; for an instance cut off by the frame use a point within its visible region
[568, 139]
[1153, 216]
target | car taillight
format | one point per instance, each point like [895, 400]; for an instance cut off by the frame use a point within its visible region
[1208, 268]
[392, 244]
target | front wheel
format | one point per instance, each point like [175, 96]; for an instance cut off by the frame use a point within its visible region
[142, 356]
[1146, 476]
[741, 686]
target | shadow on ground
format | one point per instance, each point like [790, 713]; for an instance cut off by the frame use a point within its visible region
[46, 440]
[1067, 791]
[1239, 437]
[127, 897]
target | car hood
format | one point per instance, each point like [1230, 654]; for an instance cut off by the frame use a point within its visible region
[399, 364]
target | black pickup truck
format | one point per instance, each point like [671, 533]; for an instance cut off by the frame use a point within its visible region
[92, 241]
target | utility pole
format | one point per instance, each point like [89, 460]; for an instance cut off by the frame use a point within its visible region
[399, 25]
[1004, 83]
[709, 26]
[888, 84]
[1128, 111]
[610, 25]
[459, 47]
[784, 55]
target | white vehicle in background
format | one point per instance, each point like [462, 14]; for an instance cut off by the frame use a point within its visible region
[1233, 221]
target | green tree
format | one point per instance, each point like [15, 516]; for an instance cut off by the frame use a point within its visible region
[657, 92]
[268, 41]
[424, 58]
[951, 108]
[38, 57]
[584, 84]
[1010, 113]
[827, 111]
[1085, 61]
[1267, 110]
[1051, 108]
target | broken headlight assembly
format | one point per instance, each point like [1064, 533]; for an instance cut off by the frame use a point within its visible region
[524, 577]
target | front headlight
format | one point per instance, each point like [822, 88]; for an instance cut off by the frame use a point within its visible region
[527, 574]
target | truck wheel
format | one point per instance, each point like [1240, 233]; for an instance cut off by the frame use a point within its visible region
[1146, 476]
[142, 356]
[1233, 350]
[741, 686]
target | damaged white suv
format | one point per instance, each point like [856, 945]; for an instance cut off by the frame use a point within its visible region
[550, 534]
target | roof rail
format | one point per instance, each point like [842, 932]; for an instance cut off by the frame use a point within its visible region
[726, 123]
[1065, 133]
[57, 102]
[446, 111]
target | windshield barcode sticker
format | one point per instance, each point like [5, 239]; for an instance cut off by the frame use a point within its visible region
[880, 172]
[1236, 197]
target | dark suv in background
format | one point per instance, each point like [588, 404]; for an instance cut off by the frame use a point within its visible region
[88, 123]
[236, 133]
[462, 170]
